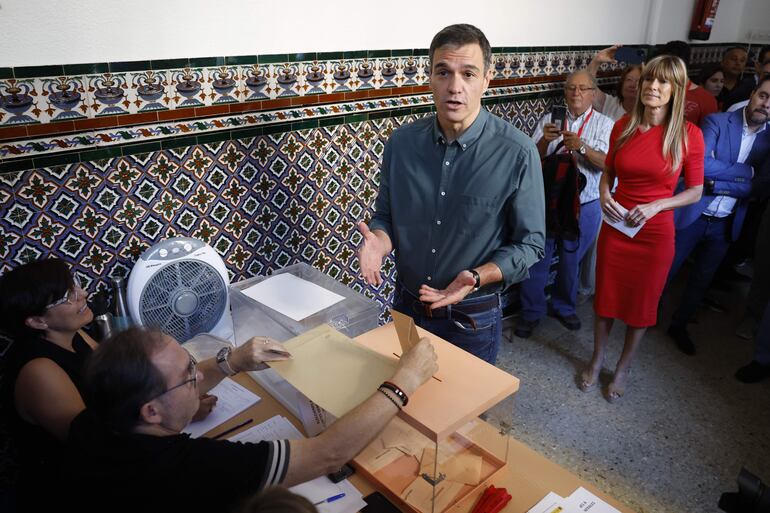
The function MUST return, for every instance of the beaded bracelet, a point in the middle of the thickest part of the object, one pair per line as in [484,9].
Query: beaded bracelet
[380,390]
[399,393]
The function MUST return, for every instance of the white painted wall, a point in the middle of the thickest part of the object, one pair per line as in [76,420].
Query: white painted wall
[756,22]
[37,32]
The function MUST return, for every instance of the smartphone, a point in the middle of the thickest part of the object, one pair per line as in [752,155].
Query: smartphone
[558,114]
[377,503]
[630,55]
[343,473]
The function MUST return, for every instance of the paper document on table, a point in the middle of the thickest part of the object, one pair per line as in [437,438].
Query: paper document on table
[332,370]
[314,418]
[274,428]
[621,225]
[321,488]
[583,501]
[232,399]
[551,503]
[292,296]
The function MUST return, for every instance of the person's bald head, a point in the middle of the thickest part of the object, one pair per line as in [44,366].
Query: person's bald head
[579,91]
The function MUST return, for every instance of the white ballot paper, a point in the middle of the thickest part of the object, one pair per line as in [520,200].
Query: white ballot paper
[583,501]
[317,490]
[292,296]
[274,428]
[621,225]
[232,399]
[551,503]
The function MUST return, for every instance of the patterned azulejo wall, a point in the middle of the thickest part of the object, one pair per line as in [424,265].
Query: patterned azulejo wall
[95,169]
[263,202]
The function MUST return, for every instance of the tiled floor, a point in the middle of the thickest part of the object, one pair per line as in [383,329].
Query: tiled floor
[679,436]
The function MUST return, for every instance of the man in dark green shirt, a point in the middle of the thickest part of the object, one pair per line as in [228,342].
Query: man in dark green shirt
[460,201]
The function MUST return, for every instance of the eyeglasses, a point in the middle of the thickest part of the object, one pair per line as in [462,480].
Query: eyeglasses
[71,296]
[192,372]
[581,89]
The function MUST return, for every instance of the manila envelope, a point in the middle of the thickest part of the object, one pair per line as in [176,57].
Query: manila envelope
[406,330]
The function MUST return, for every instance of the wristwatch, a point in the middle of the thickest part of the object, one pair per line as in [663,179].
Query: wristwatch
[476,277]
[223,362]
[582,149]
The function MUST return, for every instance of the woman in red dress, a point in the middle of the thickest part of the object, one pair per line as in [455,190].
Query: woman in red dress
[649,149]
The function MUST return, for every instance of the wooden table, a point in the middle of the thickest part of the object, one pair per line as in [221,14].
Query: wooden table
[528,476]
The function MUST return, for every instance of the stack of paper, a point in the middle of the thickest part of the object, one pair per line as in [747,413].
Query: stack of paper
[292,296]
[581,501]
[317,490]
[232,399]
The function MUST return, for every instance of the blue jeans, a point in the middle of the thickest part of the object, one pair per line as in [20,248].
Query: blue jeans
[482,341]
[710,239]
[565,285]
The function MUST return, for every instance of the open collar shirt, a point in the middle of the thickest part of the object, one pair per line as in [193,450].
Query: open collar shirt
[596,134]
[452,206]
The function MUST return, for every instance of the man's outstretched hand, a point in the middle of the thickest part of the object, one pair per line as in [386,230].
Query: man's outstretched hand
[455,292]
[370,255]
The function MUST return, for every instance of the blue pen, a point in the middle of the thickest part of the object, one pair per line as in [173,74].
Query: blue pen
[330,499]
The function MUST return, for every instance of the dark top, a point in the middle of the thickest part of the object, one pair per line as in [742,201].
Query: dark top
[138,472]
[39,451]
[451,207]
[740,92]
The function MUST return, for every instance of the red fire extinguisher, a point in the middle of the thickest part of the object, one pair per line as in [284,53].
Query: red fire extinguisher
[703,19]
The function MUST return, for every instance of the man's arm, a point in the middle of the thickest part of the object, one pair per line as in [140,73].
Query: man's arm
[525,221]
[377,238]
[713,168]
[246,357]
[604,56]
[351,433]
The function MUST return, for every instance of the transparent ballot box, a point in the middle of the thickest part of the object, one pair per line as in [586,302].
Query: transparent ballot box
[437,455]
[352,315]
[424,475]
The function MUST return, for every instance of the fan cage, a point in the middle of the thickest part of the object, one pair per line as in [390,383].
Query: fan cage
[156,306]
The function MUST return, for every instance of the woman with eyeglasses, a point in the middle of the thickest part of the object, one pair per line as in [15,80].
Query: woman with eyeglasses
[42,308]
[622,102]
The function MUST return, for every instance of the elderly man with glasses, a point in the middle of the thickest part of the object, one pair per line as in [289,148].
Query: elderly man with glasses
[584,135]
[142,389]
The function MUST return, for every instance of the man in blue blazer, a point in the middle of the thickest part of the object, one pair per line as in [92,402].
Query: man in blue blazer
[737,145]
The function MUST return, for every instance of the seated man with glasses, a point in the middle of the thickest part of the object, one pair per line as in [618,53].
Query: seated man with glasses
[142,389]
[585,136]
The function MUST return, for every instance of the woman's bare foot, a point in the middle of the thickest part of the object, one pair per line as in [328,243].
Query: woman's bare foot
[617,388]
[589,377]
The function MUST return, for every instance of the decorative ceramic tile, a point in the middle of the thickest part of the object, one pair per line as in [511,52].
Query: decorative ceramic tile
[110,94]
[63,98]
[20,102]
[150,90]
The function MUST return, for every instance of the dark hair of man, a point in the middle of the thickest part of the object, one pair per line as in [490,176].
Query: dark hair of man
[742,48]
[120,377]
[678,48]
[708,71]
[26,290]
[763,81]
[277,500]
[763,56]
[460,35]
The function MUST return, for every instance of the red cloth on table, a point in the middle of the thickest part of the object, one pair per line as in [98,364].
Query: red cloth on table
[631,273]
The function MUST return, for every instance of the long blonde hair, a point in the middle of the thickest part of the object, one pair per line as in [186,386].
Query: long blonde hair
[671,69]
